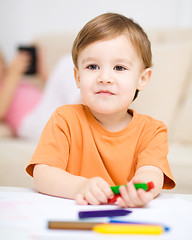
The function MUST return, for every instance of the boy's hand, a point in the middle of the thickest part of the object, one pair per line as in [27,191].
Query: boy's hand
[94,191]
[130,197]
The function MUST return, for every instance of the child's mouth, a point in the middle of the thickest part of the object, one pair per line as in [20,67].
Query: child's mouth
[105,93]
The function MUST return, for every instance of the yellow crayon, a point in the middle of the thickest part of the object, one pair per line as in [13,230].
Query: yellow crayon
[128,228]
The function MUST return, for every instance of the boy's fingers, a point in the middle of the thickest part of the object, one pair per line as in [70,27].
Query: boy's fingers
[121,202]
[79,198]
[91,198]
[145,197]
[99,194]
[124,195]
[133,194]
[130,196]
[105,188]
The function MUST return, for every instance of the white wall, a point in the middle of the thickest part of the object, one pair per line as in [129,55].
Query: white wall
[22,20]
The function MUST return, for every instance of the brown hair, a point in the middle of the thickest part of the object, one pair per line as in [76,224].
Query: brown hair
[110,25]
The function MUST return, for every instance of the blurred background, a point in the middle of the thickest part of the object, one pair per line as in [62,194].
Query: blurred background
[23,20]
[53,24]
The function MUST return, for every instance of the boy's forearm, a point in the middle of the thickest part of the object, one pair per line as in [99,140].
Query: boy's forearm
[56,182]
[151,173]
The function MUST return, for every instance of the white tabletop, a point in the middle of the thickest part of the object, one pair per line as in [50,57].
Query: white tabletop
[24,214]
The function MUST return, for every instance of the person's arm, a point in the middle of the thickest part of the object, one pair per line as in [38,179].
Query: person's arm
[11,81]
[57,182]
[151,173]
[42,69]
[130,197]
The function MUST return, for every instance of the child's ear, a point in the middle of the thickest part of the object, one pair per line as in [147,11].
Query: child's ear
[144,79]
[77,77]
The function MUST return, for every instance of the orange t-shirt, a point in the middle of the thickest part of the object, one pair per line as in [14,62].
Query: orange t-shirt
[74,141]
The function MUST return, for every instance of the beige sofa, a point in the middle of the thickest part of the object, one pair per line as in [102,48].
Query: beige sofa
[168,97]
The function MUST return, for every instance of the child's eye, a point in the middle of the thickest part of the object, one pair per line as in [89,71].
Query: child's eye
[119,68]
[93,67]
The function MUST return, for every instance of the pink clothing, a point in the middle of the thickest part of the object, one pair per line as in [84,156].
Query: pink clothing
[25,99]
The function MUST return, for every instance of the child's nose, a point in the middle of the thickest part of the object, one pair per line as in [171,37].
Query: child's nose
[105,76]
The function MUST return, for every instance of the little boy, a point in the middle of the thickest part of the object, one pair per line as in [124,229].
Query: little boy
[85,149]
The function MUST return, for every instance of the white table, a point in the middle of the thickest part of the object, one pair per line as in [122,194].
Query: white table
[24,215]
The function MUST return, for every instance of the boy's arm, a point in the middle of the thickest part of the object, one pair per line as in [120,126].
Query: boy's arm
[130,197]
[54,181]
[151,173]
[57,182]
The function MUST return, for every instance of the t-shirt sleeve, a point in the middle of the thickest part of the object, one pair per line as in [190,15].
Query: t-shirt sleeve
[53,146]
[154,150]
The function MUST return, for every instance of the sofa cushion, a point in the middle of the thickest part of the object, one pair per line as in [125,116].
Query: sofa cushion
[183,122]
[172,61]
[54,46]
[5,131]
[14,156]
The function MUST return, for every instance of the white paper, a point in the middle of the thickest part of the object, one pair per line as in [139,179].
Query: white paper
[29,212]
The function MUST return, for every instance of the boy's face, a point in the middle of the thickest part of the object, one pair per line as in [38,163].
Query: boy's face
[108,74]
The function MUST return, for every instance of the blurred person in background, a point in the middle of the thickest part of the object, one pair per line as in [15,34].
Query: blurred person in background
[25,106]
[60,90]
[19,94]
